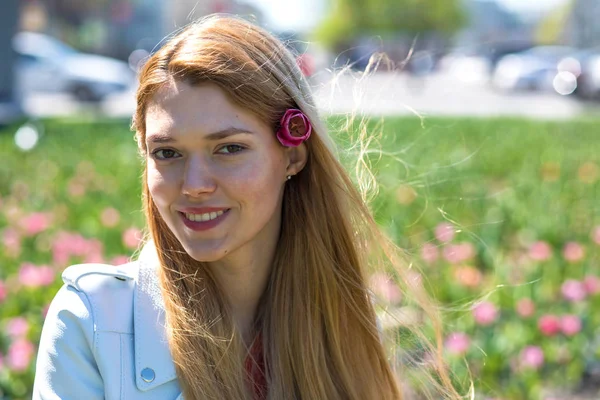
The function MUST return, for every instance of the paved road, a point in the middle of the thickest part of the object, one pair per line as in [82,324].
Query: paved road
[390,94]
[379,94]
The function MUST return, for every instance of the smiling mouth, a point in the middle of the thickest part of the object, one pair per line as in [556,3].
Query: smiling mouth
[204,217]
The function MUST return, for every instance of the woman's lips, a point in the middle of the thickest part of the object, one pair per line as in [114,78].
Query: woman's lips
[204,225]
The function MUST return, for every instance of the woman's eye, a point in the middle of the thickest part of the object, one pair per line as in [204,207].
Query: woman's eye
[164,154]
[231,148]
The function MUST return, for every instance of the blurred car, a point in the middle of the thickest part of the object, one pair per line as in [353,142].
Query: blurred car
[45,64]
[533,69]
[588,79]
[467,67]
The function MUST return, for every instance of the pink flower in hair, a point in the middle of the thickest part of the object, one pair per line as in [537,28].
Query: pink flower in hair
[294,128]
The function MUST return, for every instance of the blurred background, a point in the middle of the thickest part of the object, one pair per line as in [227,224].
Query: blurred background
[493,57]
[487,112]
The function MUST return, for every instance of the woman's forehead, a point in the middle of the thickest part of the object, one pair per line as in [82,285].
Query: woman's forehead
[180,107]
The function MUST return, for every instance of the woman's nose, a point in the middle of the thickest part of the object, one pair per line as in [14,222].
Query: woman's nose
[198,178]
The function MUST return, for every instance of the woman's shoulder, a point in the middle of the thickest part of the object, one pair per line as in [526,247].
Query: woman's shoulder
[107,291]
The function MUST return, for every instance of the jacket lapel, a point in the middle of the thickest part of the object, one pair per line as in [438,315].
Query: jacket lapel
[151,346]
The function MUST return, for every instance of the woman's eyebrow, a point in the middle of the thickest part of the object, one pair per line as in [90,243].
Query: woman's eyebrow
[222,134]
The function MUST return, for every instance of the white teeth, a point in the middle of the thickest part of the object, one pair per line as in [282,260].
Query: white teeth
[203,217]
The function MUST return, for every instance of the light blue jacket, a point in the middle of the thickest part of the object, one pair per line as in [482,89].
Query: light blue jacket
[104,336]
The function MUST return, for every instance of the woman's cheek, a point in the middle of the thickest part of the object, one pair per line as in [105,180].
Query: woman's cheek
[161,186]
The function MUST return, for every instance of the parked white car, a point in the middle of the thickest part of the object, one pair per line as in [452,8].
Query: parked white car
[45,64]
[534,69]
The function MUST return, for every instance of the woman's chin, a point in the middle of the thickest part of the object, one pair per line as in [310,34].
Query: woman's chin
[205,255]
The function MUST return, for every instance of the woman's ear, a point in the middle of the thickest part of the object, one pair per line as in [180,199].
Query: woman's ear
[297,157]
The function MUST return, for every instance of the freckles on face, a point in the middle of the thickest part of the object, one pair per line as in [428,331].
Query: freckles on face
[205,151]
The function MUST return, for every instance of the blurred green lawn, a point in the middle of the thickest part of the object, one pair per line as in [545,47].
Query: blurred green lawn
[503,184]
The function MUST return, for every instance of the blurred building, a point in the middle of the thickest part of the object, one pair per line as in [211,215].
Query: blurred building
[8,25]
[583,29]
[492,30]
[117,27]
[490,22]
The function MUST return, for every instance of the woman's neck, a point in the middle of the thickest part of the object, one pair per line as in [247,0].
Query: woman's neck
[243,278]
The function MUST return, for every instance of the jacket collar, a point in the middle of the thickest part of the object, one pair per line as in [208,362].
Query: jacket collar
[151,346]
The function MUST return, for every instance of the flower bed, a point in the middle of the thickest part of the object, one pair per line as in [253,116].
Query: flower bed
[500,215]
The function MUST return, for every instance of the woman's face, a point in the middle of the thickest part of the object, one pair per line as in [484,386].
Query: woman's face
[215,171]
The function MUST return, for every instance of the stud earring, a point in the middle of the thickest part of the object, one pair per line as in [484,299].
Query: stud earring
[289,177]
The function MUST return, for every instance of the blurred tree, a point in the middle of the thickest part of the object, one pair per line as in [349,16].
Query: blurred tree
[349,19]
[9,16]
[551,29]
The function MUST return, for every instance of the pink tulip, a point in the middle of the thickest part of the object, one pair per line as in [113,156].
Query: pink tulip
[385,288]
[132,238]
[570,325]
[11,239]
[591,284]
[468,276]
[19,354]
[32,276]
[540,251]
[110,217]
[485,313]
[444,232]
[1,362]
[549,325]
[17,327]
[35,223]
[95,251]
[573,290]
[76,188]
[3,291]
[525,308]
[457,253]
[595,235]
[532,357]
[429,253]
[573,252]
[457,343]
[68,244]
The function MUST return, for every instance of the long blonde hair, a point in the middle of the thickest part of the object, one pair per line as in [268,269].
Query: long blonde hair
[316,317]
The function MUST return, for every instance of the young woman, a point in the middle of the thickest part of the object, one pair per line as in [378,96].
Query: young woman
[253,285]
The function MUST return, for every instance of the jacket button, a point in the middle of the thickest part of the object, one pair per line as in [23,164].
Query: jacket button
[147,374]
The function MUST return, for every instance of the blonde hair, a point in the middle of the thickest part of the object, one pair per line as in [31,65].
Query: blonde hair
[317,319]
